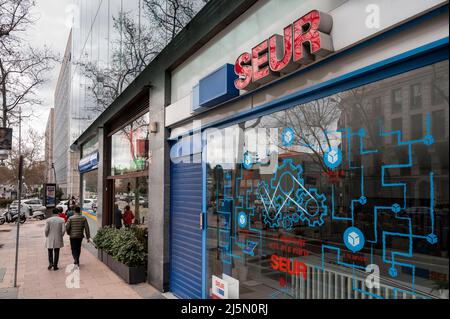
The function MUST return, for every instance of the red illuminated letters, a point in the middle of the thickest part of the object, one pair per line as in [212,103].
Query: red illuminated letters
[290,266]
[301,42]
[281,51]
[260,63]
[311,37]
[244,70]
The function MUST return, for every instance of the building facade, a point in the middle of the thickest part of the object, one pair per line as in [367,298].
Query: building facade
[65,162]
[49,136]
[102,68]
[288,151]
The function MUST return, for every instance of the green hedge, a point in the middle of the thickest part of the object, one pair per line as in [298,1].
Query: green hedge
[122,244]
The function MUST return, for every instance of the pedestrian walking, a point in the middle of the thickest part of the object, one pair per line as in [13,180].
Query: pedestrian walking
[76,227]
[72,202]
[128,216]
[69,212]
[54,232]
[117,216]
[62,214]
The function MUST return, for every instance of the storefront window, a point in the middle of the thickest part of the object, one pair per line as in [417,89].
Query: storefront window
[129,148]
[133,192]
[324,200]
[89,198]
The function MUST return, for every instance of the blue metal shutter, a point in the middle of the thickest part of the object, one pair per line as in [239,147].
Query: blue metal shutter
[186,235]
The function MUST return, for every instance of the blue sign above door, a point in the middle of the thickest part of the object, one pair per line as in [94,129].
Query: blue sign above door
[215,88]
[88,163]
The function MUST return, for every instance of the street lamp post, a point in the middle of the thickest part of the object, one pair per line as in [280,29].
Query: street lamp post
[54,172]
[19,207]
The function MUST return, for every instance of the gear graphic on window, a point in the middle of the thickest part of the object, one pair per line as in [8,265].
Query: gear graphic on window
[281,194]
[271,206]
[287,178]
[288,223]
[314,207]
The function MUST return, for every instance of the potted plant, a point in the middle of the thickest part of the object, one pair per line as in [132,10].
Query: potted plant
[123,252]
[99,241]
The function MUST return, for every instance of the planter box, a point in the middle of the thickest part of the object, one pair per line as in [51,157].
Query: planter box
[100,254]
[131,275]
[105,257]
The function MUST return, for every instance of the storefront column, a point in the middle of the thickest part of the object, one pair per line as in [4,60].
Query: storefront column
[159,195]
[102,173]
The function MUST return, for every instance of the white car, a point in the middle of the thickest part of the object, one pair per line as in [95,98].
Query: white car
[35,204]
[63,204]
[90,203]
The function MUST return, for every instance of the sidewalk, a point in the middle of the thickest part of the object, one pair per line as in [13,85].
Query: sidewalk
[97,281]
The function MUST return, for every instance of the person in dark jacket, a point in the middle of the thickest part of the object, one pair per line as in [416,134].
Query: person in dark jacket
[117,216]
[76,227]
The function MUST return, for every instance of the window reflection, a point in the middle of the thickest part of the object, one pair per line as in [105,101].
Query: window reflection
[278,223]
[129,147]
[132,192]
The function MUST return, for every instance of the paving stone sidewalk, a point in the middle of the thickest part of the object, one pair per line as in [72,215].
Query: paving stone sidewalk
[97,281]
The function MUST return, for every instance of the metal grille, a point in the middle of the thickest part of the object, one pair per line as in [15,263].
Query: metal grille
[186,236]
[330,284]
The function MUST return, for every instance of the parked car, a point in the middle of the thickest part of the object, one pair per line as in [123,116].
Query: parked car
[142,201]
[90,203]
[35,204]
[63,204]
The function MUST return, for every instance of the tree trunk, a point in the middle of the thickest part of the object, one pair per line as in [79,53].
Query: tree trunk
[4,102]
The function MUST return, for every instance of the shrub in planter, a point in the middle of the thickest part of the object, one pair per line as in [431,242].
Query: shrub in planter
[128,249]
[99,238]
[125,245]
[142,235]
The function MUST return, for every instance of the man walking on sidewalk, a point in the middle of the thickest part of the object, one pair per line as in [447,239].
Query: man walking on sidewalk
[54,232]
[76,227]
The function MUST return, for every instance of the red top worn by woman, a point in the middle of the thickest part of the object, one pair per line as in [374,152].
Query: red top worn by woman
[128,217]
[63,215]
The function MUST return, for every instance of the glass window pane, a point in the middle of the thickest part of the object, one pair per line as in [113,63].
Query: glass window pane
[306,202]
[129,147]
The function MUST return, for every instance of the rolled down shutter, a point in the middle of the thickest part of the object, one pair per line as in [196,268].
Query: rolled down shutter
[186,235]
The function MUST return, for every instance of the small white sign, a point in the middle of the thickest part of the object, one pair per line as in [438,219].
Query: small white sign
[225,288]
[219,288]
[233,286]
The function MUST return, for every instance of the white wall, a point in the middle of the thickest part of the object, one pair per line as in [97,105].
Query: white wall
[348,30]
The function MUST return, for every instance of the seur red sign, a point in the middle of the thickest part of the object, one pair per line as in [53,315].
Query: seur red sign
[302,41]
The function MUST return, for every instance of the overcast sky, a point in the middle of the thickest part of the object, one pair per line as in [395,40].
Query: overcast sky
[52,29]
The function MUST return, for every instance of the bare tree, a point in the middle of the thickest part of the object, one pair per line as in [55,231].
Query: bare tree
[130,55]
[23,69]
[312,124]
[14,17]
[34,167]
[172,15]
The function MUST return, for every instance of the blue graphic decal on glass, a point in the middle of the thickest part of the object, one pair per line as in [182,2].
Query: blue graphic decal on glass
[288,137]
[354,239]
[333,158]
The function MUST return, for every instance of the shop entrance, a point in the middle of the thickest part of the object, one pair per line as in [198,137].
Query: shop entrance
[186,274]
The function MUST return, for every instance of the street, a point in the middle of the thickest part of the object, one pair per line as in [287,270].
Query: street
[96,280]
